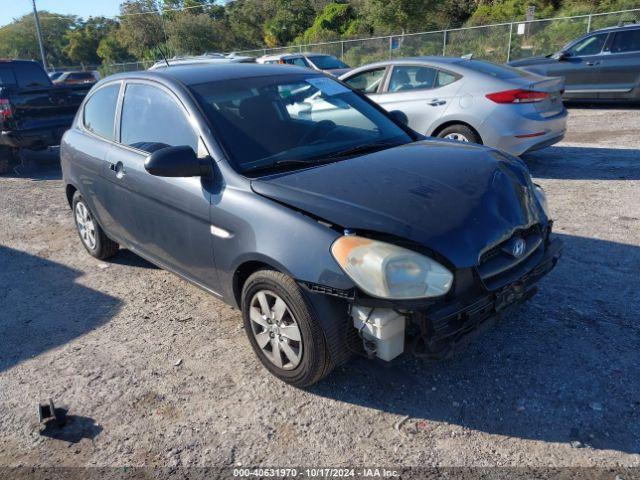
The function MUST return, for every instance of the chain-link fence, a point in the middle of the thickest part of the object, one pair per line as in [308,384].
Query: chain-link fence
[499,42]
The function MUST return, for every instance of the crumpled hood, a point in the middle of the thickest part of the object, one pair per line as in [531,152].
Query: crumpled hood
[453,198]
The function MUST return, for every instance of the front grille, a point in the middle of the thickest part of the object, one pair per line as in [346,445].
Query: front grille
[500,260]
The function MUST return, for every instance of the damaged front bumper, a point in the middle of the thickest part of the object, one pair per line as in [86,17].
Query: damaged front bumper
[436,328]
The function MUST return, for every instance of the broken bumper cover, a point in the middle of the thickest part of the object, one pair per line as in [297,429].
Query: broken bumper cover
[446,329]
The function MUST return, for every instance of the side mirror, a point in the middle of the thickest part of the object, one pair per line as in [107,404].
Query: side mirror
[399,117]
[176,162]
[562,55]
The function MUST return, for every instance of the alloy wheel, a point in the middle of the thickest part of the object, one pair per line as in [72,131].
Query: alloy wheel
[457,137]
[86,225]
[275,330]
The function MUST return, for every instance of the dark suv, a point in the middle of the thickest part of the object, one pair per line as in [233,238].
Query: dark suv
[602,65]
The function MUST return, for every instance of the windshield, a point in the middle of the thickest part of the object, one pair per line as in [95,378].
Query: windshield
[326,62]
[293,121]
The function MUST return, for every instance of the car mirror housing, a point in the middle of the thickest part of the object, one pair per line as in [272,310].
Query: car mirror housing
[177,162]
[562,55]
[399,117]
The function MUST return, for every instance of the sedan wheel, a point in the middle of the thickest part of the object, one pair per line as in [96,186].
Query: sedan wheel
[275,329]
[93,238]
[86,226]
[457,137]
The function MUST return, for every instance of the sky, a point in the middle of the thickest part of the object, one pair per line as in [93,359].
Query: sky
[10,9]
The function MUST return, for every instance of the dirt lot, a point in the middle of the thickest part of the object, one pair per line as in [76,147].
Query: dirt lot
[157,373]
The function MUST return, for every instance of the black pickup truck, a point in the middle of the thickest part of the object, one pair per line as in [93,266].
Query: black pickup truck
[34,113]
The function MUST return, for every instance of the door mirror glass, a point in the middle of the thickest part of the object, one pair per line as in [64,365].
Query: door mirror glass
[176,162]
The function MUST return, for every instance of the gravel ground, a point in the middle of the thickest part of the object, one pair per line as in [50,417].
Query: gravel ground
[154,372]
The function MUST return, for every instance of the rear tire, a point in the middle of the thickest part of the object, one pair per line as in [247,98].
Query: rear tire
[460,133]
[6,160]
[91,235]
[292,344]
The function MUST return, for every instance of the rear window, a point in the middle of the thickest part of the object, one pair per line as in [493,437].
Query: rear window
[100,111]
[31,75]
[498,71]
[6,76]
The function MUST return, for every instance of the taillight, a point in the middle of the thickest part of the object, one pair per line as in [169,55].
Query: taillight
[5,110]
[517,96]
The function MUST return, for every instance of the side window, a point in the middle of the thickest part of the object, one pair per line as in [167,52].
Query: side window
[444,78]
[152,120]
[412,78]
[100,111]
[299,61]
[31,75]
[626,41]
[589,46]
[366,82]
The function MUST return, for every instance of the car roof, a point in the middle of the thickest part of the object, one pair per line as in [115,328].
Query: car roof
[629,26]
[196,74]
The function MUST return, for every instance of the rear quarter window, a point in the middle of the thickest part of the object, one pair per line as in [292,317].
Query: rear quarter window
[100,111]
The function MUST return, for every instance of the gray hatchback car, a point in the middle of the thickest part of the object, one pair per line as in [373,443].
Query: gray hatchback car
[349,234]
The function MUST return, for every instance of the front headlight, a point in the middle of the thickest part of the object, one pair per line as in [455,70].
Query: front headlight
[387,271]
[542,199]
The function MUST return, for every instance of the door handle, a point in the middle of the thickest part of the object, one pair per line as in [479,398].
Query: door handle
[591,64]
[435,102]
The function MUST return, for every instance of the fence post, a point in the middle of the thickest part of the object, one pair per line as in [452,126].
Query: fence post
[444,44]
[509,46]
[390,47]
[589,24]
[342,51]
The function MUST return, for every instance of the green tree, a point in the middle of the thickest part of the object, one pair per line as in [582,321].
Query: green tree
[141,27]
[197,34]
[291,19]
[18,39]
[337,20]
[83,41]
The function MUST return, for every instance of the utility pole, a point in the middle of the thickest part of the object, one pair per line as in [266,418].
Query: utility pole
[37,20]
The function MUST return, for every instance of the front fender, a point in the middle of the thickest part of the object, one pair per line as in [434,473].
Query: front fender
[264,231]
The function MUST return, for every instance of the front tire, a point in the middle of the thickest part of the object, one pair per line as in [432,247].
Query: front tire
[460,133]
[92,236]
[283,329]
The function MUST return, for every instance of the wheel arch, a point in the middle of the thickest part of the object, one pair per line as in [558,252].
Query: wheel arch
[436,131]
[70,191]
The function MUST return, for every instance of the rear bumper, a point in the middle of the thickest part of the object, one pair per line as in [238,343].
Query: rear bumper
[510,133]
[33,138]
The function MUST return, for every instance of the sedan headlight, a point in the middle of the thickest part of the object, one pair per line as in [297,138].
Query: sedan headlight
[387,271]
[542,199]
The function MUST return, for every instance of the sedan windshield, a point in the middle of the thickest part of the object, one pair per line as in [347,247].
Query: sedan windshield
[326,62]
[293,121]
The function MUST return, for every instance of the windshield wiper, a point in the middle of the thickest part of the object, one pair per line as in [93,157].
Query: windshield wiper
[280,163]
[364,148]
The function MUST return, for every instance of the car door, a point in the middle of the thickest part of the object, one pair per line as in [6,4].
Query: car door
[578,66]
[164,219]
[91,142]
[422,93]
[619,69]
